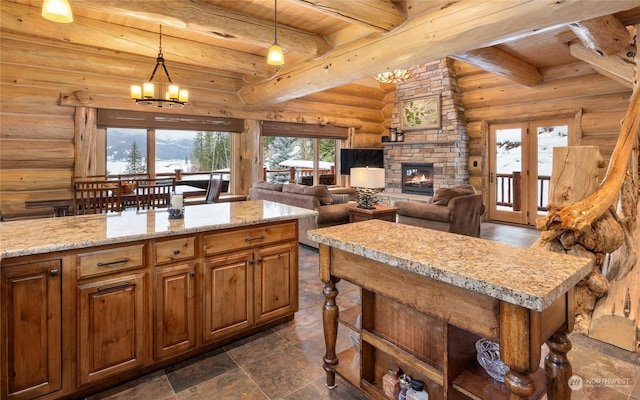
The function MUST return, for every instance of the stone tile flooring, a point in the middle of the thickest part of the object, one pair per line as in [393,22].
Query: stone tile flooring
[286,362]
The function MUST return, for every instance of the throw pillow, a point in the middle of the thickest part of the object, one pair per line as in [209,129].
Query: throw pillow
[340,198]
[443,195]
[276,187]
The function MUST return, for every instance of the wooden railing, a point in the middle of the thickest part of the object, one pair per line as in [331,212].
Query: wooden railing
[294,173]
[508,191]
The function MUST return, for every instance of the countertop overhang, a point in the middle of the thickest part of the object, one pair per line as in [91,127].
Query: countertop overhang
[37,236]
[532,278]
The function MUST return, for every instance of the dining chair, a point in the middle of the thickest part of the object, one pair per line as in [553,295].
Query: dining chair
[154,195]
[96,196]
[214,188]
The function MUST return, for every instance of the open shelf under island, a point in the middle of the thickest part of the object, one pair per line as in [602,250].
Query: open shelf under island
[427,297]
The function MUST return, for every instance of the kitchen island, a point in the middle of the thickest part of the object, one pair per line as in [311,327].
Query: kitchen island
[428,296]
[90,301]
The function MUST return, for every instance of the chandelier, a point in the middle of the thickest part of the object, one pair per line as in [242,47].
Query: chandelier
[395,76]
[145,94]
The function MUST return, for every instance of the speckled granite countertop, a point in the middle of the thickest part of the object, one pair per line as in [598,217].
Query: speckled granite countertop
[528,277]
[36,236]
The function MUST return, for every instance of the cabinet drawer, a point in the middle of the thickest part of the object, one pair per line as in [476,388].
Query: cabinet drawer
[174,250]
[110,260]
[248,237]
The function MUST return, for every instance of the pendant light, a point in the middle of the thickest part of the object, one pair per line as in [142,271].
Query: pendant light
[57,11]
[275,55]
[395,76]
[146,94]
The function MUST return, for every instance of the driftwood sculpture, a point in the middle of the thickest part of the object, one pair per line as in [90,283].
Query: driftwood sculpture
[602,225]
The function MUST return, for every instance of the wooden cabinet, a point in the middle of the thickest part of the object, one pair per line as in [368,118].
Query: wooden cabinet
[31,325]
[111,312]
[228,291]
[276,281]
[174,282]
[174,310]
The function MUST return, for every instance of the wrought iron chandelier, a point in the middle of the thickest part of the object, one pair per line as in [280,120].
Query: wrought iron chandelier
[145,94]
[395,76]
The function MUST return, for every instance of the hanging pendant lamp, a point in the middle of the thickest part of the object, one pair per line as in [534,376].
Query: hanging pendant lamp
[57,11]
[275,55]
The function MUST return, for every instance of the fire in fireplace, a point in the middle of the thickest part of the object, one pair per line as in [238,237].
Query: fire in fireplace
[417,178]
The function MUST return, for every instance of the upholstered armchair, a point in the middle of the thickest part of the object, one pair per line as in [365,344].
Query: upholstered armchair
[457,210]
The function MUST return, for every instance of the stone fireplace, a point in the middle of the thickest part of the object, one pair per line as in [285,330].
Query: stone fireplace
[445,147]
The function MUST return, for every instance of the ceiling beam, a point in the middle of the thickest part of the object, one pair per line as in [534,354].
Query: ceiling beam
[612,67]
[499,62]
[213,21]
[458,28]
[380,15]
[605,35]
[27,21]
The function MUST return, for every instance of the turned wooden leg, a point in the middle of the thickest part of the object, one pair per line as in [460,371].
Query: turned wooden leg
[517,350]
[558,367]
[330,315]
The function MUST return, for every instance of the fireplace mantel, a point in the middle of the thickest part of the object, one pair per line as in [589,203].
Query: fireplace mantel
[438,142]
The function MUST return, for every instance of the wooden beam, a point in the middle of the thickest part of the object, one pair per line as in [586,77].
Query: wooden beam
[85,99]
[605,35]
[499,62]
[27,21]
[612,67]
[380,15]
[214,21]
[462,26]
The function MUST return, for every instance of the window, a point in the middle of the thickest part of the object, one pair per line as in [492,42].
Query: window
[305,158]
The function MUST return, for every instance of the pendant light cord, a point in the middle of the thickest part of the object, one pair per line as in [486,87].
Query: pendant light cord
[275,21]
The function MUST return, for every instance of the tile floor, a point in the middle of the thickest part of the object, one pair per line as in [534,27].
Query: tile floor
[286,362]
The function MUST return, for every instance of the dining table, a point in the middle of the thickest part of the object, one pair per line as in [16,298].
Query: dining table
[62,200]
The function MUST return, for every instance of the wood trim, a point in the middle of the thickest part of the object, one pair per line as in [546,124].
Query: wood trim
[150,120]
[287,129]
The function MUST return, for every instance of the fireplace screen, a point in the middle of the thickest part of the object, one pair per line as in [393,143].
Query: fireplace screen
[417,178]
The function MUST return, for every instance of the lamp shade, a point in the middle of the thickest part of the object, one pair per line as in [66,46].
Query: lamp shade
[371,178]
[57,11]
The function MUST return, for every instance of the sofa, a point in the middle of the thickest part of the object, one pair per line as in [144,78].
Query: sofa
[456,209]
[332,208]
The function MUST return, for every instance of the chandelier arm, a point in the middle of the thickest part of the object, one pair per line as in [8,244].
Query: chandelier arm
[165,71]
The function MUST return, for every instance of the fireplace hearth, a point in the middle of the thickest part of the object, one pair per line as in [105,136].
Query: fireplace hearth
[417,178]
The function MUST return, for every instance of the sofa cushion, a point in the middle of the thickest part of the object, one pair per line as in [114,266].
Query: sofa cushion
[269,186]
[340,198]
[424,211]
[443,195]
[320,192]
[333,214]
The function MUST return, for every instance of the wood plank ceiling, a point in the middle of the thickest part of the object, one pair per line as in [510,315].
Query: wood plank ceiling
[329,43]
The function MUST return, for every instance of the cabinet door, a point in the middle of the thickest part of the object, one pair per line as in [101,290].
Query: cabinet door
[276,281]
[174,310]
[31,326]
[228,292]
[111,319]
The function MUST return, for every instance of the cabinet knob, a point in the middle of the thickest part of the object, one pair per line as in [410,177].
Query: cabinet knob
[176,252]
[251,262]
[192,274]
[260,259]
[53,272]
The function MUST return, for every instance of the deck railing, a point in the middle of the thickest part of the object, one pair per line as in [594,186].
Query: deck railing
[293,174]
[508,192]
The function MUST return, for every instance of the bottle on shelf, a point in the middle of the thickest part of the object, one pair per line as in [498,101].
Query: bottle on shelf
[416,391]
[405,384]
[391,382]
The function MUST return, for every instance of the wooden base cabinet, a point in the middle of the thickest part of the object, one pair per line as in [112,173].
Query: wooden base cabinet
[111,319]
[276,282]
[31,325]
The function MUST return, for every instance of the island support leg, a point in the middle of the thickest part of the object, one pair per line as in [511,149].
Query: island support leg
[519,350]
[558,367]
[330,315]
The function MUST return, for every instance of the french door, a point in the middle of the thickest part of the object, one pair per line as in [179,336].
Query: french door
[520,160]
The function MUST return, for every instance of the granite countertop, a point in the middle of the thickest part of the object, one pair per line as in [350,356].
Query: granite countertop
[532,278]
[36,236]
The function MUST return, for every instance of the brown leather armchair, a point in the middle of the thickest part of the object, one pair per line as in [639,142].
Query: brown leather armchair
[456,210]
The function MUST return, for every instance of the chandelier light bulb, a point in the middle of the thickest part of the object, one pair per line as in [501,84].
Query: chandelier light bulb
[57,11]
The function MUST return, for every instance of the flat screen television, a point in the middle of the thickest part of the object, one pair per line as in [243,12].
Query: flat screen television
[356,158]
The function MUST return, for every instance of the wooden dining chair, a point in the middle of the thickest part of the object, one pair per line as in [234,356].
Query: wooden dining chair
[155,194]
[96,196]
[214,188]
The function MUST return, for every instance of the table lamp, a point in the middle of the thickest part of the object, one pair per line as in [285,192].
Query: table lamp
[367,182]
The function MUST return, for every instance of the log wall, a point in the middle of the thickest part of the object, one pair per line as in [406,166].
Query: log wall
[597,103]
[37,149]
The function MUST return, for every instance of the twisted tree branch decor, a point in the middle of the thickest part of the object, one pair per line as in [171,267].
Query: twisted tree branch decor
[581,215]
